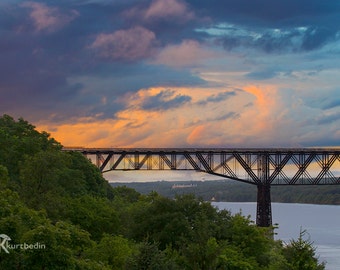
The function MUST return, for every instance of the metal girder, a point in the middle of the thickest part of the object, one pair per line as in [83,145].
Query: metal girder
[326,163]
[279,165]
[206,163]
[247,167]
[262,167]
[115,165]
[105,162]
[192,161]
[302,163]
[287,166]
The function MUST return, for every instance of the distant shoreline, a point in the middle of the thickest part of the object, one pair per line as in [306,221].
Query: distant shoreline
[232,191]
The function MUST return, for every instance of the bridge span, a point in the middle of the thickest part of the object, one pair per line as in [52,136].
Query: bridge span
[263,167]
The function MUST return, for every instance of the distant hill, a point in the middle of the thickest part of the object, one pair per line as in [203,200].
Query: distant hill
[232,191]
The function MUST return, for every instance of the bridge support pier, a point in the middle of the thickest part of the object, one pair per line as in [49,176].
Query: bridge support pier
[264,209]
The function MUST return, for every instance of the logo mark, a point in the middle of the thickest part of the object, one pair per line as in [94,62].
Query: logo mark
[4,242]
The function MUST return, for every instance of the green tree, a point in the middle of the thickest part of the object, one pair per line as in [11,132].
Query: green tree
[61,246]
[113,251]
[93,214]
[18,139]
[150,257]
[4,177]
[300,254]
[252,240]
[15,220]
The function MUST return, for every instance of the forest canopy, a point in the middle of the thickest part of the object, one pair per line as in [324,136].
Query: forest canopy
[59,202]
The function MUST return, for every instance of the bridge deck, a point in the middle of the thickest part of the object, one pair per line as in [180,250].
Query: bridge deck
[214,150]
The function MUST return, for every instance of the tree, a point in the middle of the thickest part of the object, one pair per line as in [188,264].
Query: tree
[93,214]
[19,138]
[113,251]
[4,177]
[300,254]
[60,246]
[150,257]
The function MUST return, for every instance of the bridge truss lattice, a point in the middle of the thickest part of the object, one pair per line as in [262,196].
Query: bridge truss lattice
[261,167]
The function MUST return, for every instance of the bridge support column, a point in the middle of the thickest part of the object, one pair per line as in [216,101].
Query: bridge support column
[264,209]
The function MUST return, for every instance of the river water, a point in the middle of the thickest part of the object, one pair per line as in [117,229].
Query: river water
[322,223]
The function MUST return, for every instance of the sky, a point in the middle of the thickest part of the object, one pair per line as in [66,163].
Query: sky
[174,73]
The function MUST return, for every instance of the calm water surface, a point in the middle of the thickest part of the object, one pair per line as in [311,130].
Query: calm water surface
[322,223]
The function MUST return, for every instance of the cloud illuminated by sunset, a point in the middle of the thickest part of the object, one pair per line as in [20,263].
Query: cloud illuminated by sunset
[173,73]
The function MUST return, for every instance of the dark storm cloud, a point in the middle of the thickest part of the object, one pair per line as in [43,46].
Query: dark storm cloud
[265,12]
[272,26]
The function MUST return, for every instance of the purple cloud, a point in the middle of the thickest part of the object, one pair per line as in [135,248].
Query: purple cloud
[165,9]
[47,18]
[131,44]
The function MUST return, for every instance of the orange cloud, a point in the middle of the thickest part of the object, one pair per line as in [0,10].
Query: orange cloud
[196,134]
[203,120]
[263,112]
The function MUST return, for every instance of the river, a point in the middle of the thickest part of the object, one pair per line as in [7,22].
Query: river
[322,223]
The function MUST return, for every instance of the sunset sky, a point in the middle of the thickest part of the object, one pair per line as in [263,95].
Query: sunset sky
[174,73]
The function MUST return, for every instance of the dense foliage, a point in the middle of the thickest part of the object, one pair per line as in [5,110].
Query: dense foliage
[60,200]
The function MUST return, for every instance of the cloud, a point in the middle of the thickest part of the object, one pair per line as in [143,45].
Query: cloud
[166,9]
[262,74]
[155,99]
[325,99]
[229,115]
[47,18]
[189,53]
[220,97]
[267,12]
[164,100]
[273,40]
[329,118]
[331,103]
[156,117]
[160,11]
[173,72]
[196,134]
[131,44]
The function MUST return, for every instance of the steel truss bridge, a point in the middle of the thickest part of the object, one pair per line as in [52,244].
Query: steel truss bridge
[261,167]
